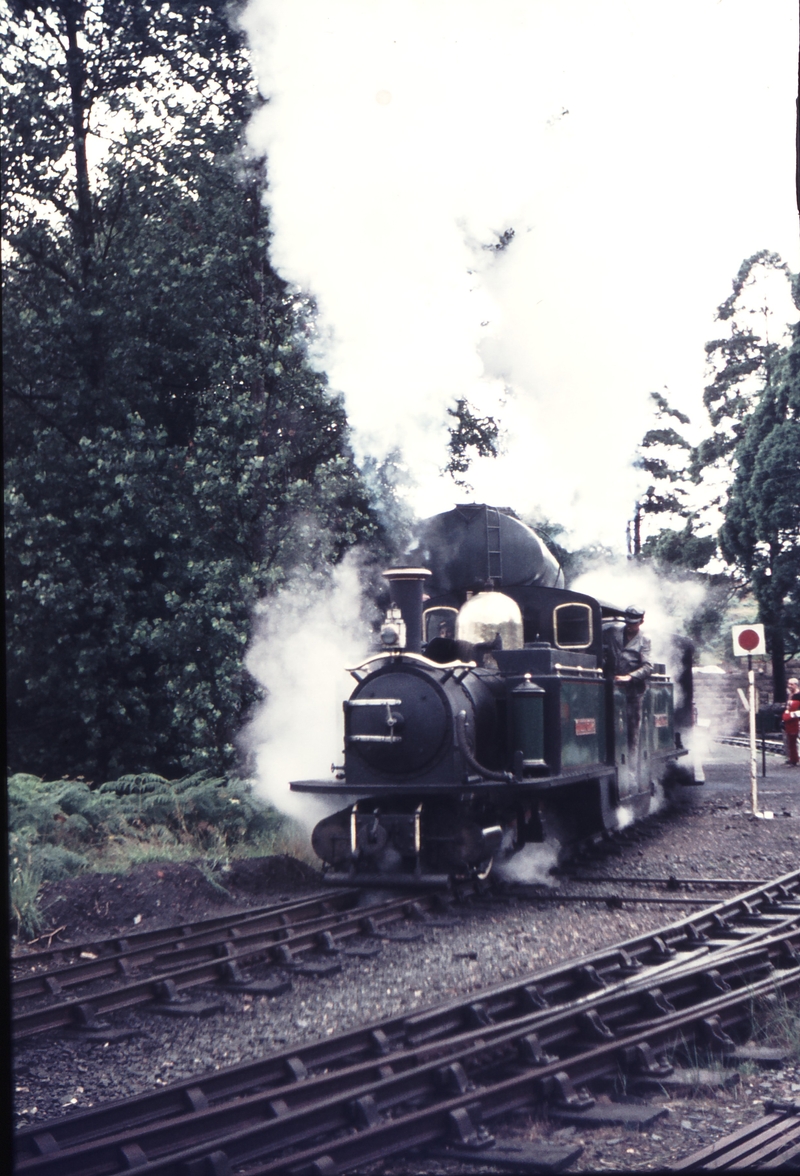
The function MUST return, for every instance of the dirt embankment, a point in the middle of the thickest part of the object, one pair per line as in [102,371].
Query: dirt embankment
[160,893]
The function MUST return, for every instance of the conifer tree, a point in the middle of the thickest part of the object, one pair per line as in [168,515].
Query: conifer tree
[753,405]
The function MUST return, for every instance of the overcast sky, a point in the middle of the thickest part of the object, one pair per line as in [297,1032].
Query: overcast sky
[639,150]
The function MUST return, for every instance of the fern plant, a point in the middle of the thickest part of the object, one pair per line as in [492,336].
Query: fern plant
[60,827]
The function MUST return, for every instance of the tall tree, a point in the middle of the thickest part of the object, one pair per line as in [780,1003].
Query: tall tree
[170,453]
[470,436]
[761,533]
[739,363]
[690,481]
[748,465]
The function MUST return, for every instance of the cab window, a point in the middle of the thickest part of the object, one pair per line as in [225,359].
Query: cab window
[572,626]
[439,622]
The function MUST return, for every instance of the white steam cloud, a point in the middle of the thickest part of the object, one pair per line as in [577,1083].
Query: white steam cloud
[668,605]
[532,864]
[657,800]
[625,816]
[404,138]
[304,638]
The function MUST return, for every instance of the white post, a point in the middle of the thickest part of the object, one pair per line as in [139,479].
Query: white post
[751,678]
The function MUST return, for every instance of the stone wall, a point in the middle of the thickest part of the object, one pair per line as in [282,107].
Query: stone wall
[716,698]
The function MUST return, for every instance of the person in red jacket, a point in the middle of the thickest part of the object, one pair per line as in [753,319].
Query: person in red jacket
[791,721]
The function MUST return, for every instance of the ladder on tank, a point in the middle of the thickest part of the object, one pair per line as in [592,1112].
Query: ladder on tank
[494,557]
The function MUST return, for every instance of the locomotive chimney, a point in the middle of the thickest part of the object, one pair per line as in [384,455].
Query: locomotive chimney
[406,589]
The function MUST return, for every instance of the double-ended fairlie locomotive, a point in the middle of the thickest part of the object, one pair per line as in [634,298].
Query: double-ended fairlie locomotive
[487,719]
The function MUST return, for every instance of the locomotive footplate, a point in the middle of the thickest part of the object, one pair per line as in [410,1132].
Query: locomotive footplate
[470,786]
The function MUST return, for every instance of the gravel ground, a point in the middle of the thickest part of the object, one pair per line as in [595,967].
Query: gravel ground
[711,835]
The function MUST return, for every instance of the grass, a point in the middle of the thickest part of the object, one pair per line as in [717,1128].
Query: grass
[64,827]
[290,839]
[25,883]
[776,1022]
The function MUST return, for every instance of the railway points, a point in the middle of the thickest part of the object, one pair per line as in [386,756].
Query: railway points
[299,938]
[414,1081]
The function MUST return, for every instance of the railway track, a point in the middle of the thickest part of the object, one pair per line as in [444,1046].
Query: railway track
[407,1081]
[301,937]
[773,746]
[70,986]
[671,883]
[162,938]
[89,960]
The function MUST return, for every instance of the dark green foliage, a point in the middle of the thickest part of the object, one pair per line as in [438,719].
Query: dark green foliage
[739,361]
[383,479]
[753,404]
[171,457]
[470,433]
[666,409]
[740,364]
[58,828]
[665,437]
[709,624]
[69,815]
[672,501]
[54,862]
[680,547]
[761,534]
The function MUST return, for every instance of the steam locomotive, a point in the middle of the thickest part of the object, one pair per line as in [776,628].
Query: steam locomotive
[487,720]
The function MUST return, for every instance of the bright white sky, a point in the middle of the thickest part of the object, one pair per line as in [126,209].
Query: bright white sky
[640,151]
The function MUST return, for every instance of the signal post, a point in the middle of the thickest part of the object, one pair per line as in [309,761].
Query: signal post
[749,642]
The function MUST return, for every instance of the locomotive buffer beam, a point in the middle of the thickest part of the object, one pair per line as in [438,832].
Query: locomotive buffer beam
[393,881]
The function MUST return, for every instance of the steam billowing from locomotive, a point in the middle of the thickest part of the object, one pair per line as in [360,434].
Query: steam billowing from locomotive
[486,719]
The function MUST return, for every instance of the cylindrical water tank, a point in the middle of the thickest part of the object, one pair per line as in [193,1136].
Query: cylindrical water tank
[475,543]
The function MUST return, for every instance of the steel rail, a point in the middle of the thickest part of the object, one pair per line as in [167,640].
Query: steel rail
[714,972]
[210,958]
[693,900]
[685,935]
[155,936]
[125,956]
[671,882]
[576,983]
[771,745]
[307,1112]
[219,961]
[433,1123]
[552,1026]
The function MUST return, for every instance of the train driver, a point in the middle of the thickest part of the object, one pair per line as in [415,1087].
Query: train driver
[628,652]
